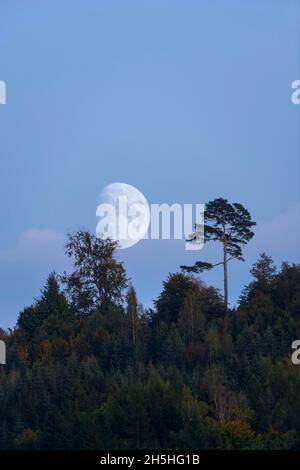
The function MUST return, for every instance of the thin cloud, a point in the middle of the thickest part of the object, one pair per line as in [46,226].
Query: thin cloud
[280,236]
[34,245]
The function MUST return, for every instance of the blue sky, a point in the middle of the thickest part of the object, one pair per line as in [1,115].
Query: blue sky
[187,101]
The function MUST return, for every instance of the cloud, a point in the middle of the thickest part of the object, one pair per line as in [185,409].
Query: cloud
[24,268]
[35,245]
[280,236]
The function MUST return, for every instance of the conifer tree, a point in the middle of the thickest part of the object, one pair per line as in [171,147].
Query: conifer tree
[132,312]
[229,224]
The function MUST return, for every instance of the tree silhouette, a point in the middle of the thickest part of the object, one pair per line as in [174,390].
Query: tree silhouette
[197,379]
[132,312]
[97,278]
[264,269]
[229,224]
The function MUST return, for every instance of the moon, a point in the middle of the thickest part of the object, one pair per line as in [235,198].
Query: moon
[124,214]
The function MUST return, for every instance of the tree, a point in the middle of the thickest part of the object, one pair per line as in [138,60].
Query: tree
[98,278]
[132,308]
[263,270]
[191,320]
[229,224]
[286,288]
[171,300]
[51,302]
[197,378]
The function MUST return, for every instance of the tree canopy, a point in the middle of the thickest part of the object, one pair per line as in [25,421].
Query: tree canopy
[186,374]
[229,224]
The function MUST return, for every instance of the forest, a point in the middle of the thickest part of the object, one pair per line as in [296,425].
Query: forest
[89,368]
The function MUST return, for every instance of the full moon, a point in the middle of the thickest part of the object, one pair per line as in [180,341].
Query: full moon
[124,214]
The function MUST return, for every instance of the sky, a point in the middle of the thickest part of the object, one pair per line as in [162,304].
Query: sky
[185,100]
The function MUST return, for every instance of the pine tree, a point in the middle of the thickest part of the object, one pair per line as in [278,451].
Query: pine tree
[229,224]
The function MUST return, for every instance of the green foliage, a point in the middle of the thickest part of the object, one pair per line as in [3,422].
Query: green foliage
[98,279]
[186,376]
[229,224]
